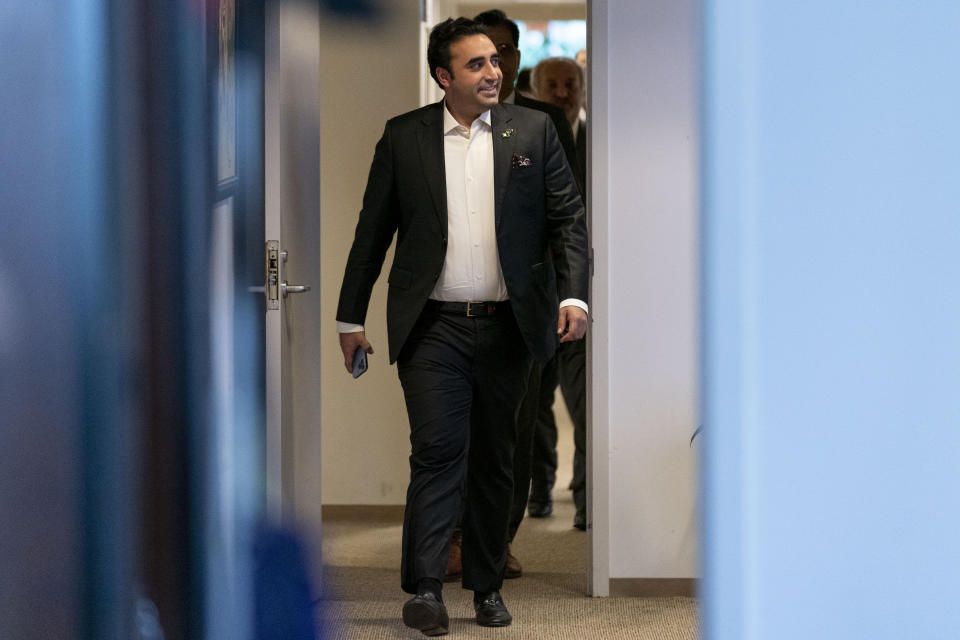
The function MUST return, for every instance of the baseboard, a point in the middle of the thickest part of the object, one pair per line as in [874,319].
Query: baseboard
[369,512]
[652,587]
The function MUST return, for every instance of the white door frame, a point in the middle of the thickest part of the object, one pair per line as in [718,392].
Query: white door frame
[598,401]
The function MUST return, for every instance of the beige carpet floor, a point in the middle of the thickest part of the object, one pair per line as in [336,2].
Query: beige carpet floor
[362,598]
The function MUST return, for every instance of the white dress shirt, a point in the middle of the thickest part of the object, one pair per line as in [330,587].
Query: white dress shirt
[471,268]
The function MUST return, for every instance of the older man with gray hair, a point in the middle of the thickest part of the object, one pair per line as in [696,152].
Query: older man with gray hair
[559,81]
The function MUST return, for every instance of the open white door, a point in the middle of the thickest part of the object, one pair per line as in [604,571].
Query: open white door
[292,248]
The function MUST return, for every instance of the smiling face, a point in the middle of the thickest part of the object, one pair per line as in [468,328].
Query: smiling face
[472,84]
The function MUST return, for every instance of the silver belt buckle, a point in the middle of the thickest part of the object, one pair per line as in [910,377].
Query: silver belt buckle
[470,315]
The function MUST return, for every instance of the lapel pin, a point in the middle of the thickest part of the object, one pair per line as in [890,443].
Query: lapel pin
[507,133]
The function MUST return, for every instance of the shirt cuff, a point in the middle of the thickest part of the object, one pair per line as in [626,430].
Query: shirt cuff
[348,327]
[573,302]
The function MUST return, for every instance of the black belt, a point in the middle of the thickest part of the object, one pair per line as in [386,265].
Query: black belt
[470,309]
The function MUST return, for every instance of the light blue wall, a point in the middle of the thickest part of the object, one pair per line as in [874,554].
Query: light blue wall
[831,319]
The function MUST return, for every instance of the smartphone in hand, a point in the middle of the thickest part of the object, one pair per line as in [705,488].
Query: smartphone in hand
[359,362]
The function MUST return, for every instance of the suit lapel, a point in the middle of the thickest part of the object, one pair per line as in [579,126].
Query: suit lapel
[503,145]
[430,143]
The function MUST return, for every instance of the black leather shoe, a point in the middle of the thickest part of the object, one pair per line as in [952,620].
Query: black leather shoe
[491,612]
[580,520]
[425,612]
[540,509]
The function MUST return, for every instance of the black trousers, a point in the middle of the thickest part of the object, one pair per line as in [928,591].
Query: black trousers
[463,379]
[526,426]
[543,464]
[535,474]
[572,368]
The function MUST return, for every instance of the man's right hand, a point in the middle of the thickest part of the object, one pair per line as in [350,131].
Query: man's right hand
[349,343]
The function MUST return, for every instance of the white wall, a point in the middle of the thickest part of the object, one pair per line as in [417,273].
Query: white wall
[370,73]
[644,208]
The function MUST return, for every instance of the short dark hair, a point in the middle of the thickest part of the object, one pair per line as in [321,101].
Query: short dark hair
[497,18]
[445,34]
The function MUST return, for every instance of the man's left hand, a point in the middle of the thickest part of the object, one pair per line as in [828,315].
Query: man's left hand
[572,324]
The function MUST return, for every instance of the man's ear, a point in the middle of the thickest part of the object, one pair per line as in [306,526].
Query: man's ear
[443,77]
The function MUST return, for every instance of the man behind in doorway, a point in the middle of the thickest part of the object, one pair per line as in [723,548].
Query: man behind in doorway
[506,37]
[560,82]
[490,266]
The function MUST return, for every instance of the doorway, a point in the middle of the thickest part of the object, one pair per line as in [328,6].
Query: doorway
[365,452]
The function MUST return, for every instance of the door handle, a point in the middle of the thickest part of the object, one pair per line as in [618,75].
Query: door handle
[293,288]
[274,288]
[286,288]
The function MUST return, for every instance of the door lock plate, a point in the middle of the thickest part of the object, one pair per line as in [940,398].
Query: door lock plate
[272,285]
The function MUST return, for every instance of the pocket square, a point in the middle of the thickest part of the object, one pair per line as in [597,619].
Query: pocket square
[520,160]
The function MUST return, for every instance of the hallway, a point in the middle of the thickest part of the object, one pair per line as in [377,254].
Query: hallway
[362,598]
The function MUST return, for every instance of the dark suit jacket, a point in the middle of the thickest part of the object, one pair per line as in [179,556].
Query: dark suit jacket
[537,206]
[581,166]
[564,131]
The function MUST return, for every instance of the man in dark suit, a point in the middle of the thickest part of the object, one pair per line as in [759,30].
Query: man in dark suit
[560,81]
[489,267]
[506,36]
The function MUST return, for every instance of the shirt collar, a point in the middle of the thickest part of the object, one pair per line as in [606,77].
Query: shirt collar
[450,123]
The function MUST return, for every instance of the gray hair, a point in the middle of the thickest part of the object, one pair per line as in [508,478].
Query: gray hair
[570,61]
